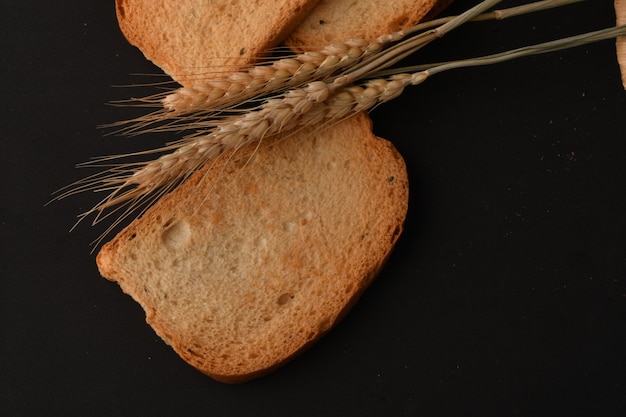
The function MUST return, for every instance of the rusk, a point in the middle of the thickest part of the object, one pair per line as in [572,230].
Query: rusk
[257,256]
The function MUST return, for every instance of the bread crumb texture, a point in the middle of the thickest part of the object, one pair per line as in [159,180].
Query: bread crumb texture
[248,263]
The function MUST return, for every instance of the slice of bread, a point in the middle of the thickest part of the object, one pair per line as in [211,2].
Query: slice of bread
[339,20]
[190,39]
[249,262]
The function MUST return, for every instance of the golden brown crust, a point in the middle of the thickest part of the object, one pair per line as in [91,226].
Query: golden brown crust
[242,268]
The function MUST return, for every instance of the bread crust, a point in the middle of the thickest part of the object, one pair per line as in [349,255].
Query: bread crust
[190,39]
[246,265]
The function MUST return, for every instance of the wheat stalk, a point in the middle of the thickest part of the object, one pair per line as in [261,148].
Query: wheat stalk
[313,89]
[345,62]
[315,104]
[297,107]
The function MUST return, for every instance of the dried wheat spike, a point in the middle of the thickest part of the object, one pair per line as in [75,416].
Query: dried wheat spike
[307,106]
[219,93]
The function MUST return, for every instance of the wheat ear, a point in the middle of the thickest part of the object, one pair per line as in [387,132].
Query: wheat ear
[183,107]
[308,106]
[280,75]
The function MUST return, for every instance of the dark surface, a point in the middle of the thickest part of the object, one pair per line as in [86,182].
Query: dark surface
[505,296]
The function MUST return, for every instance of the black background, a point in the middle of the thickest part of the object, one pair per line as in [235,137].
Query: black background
[506,295]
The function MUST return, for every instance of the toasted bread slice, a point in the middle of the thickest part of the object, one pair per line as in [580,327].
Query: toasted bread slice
[249,262]
[189,39]
[339,20]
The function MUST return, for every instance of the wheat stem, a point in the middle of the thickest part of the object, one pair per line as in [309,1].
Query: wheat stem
[500,14]
[412,45]
[541,48]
